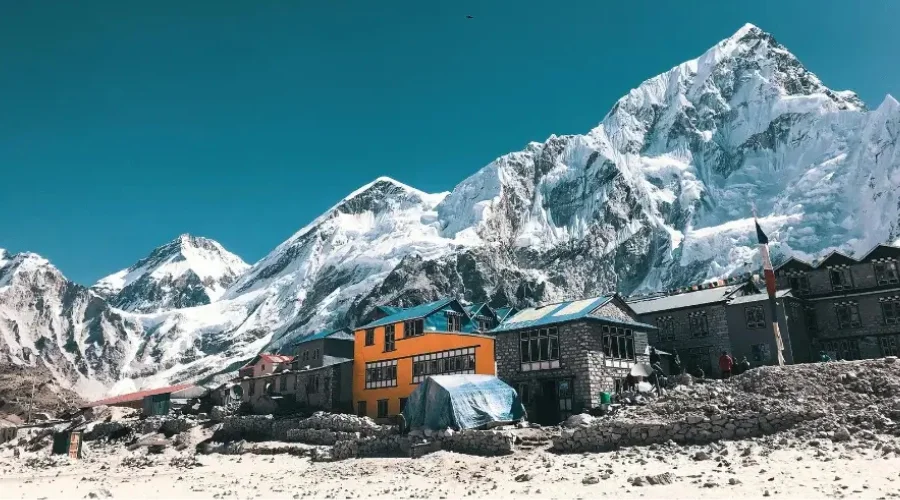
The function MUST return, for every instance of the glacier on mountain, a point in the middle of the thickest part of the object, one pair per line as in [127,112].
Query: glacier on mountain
[660,194]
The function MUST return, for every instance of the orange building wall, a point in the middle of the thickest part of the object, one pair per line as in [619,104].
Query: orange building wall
[405,350]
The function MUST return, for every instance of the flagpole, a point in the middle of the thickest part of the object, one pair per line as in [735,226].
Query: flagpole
[769,273]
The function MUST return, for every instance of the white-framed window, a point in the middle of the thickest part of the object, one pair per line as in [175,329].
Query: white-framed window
[456,361]
[891,311]
[618,342]
[886,272]
[841,279]
[666,326]
[698,324]
[381,374]
[847,314]
[454,322]
[756,317]
[389,339]
[799,283]
[539,349]
[414,327]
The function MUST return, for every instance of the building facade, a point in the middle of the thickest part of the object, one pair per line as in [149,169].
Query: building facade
[297,388]
[321,349]
[561,357]
[694,324]
[851,306]
[750,329]
[395,353]
[264,364]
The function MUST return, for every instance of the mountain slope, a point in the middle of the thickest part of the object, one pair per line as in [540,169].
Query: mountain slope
[658,195]
[186,272]
[81,340]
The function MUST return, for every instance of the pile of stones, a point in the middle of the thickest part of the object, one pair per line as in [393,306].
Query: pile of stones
[825,399]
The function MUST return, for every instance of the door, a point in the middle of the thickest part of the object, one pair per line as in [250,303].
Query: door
[547,405]
[564,399]
[361,409]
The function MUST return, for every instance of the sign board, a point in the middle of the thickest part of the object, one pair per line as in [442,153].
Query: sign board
[75,444]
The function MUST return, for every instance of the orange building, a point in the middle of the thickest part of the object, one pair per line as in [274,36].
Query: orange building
[392,355]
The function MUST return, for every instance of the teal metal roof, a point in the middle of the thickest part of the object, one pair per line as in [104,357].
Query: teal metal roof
[416,312]
[390,309]
[475,308]
[503,312]
[552,313]
[342,334]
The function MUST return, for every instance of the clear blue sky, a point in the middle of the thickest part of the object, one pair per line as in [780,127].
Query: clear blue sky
[124,124]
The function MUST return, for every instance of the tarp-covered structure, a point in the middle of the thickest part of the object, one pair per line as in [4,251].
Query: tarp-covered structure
[462,402]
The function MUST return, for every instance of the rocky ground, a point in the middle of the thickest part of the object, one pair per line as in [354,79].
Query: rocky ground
[812,431]
[16,384]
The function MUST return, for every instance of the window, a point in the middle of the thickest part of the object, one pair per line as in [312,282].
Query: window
[539,349]
[762,353]
[525,393]
[313,384]
[315,354]
[847,314]
[698,324]
[252,390]
[370,338]
[305,355]
[890,345]
[443,363]
[812,325]
[846,349]
[389,338]
[484,323]
[886,272]
[382,408]
[454,322]
[403,404]
[799,283]
[361,409]
[413,328]
[282,384]
[841,279]
[618,343]
[756,318]
[381,374]
[263,368]
[891,311]
[666,325]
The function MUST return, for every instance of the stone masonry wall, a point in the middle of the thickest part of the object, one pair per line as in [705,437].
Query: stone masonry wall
[694,429]
[684,339]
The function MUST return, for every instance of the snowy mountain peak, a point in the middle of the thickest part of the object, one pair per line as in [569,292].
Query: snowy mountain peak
[187,271]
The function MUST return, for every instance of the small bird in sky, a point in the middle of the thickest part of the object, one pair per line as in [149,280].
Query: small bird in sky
[470,17]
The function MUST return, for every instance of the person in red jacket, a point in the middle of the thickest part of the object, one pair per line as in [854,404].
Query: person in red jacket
[726,363]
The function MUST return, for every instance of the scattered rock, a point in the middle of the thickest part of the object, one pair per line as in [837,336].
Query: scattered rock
[521,478]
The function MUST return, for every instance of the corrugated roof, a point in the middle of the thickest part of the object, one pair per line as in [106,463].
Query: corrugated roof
[475,308]
[503,312]
[342,334]
[552,314]
[757,297]
[409,313]
[140,395]
[678,301]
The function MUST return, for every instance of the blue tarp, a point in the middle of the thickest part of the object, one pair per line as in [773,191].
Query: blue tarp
[462,402]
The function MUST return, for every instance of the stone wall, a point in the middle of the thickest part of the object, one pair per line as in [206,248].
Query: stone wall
[477,442]
[606,435]
[690,347]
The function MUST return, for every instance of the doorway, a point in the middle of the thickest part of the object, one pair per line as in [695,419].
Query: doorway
[555,401]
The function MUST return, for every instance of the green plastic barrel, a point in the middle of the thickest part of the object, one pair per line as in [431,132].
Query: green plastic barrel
[605,398]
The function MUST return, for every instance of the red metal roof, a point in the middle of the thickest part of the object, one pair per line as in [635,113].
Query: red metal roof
[276,358]
[140,395]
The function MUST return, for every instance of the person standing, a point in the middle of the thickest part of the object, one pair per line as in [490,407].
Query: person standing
[726,363]
[744,365]
[676,363]
[654,357]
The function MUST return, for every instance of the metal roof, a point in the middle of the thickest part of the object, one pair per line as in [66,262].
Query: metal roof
[503,312]
[678,301]
[552,314]
[757,297]
[475,308]
[409,313]
[342,334]
[140,395]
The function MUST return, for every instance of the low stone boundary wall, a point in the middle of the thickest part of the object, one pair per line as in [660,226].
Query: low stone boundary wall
[321,428]
[320,436]
[605,435]
[475,442]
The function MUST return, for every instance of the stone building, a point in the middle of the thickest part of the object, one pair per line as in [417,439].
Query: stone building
[851,306]
[561,357]
[750,329]
[693,323]
[321,349]
[327,387]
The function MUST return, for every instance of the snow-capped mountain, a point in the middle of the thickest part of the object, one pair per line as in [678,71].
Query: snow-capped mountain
[658,195]
[76,335]
[186,272]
